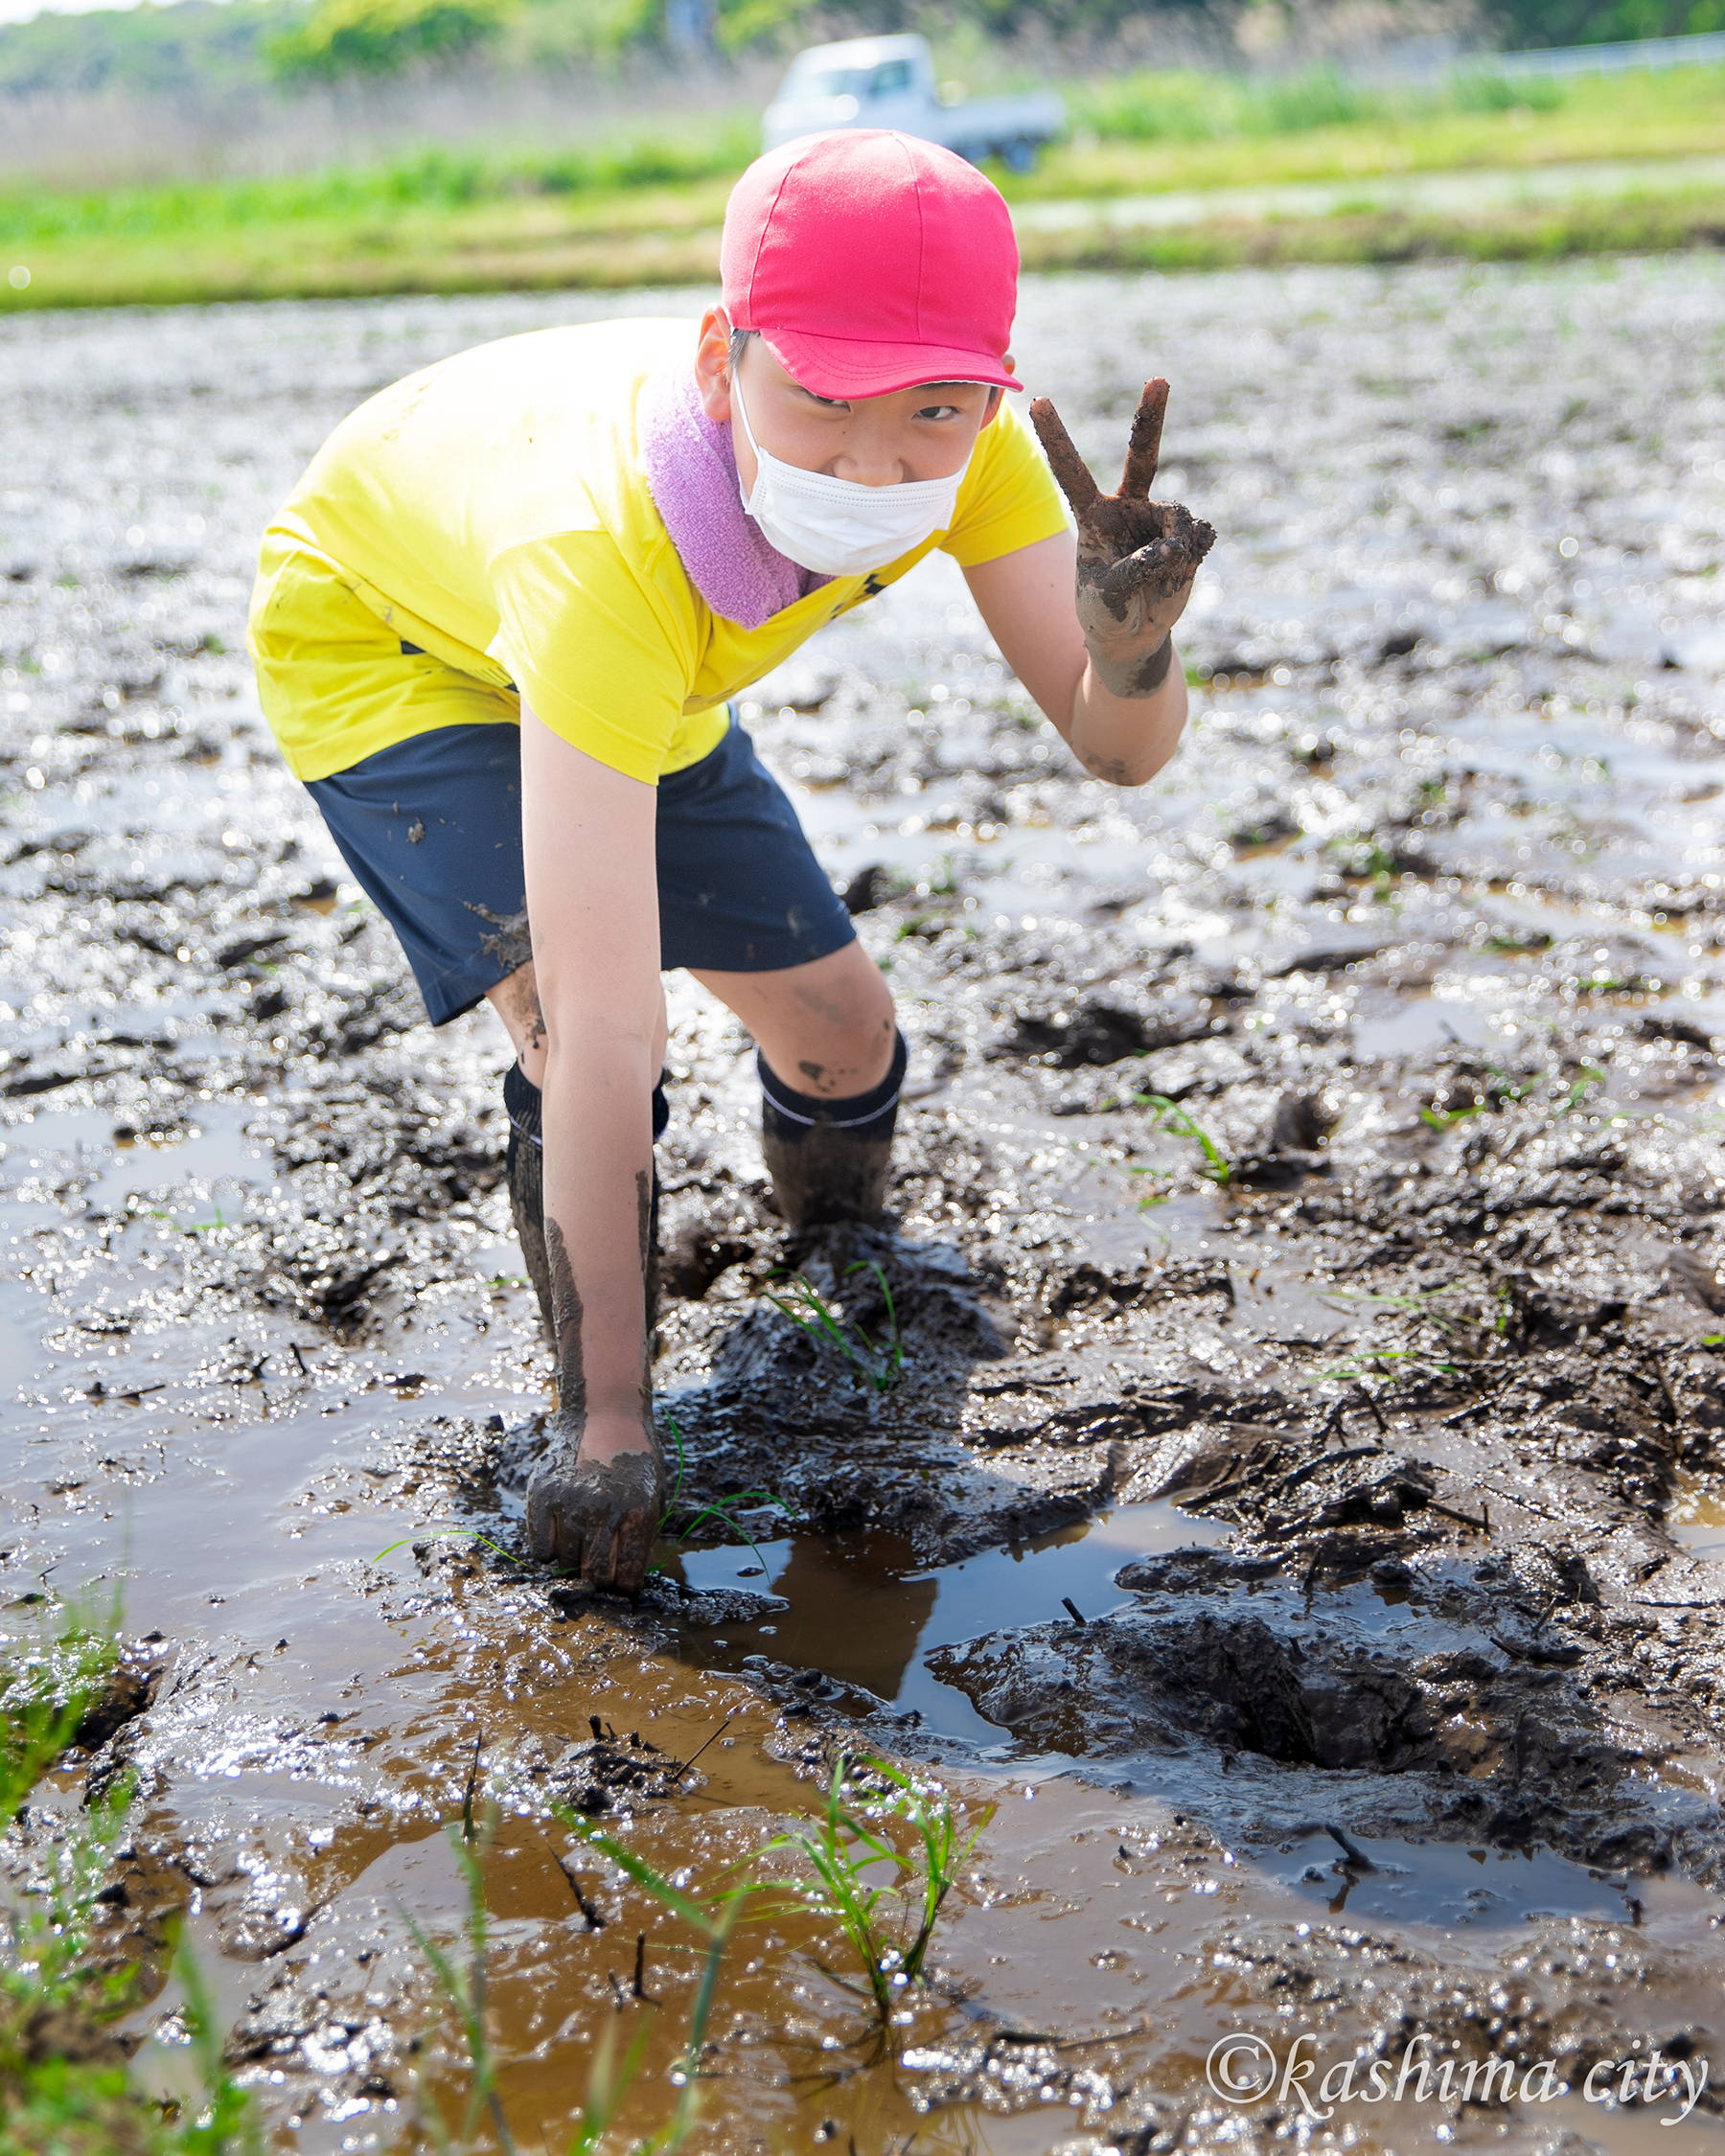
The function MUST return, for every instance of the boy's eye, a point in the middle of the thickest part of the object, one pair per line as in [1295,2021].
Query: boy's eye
[938,412]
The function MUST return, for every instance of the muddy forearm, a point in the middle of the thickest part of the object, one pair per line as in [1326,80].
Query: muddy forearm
[598,1140]
[1126,740]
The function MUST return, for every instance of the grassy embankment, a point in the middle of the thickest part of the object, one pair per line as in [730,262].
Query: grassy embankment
[648,212]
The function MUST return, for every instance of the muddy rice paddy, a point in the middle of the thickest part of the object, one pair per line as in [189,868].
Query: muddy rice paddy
[1372,1433]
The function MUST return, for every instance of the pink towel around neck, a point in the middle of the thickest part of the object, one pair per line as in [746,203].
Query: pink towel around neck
[692,475]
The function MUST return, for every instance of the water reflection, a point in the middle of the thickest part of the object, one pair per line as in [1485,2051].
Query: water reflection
[863,1613]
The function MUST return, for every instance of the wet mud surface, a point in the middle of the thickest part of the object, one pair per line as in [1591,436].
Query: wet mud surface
[1300,1510]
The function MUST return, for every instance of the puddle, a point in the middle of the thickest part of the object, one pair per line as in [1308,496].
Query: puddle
[209,1147]
[1696,1520]
[863,1614]
[1460,1889]
[21,1350]
[1423,1023]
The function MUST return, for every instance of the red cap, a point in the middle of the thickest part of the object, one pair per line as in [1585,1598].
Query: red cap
[871,261]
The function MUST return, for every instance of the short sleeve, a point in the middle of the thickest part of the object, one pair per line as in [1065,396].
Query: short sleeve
[602,650]
[1008,499]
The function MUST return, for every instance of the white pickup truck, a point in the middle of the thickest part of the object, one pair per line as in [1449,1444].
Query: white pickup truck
[890,83]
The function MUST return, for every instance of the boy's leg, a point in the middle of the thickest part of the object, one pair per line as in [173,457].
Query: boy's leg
[831,1061]
[747,910]
[516,1002]
[826,1028]
[432,830]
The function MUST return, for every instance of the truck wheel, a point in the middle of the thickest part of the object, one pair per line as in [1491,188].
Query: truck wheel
[1019,154]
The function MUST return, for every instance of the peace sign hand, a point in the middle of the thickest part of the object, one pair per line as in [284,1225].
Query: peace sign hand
[1137,558]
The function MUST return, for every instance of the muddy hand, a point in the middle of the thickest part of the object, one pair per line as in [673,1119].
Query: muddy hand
[596,1518]
[1137,558]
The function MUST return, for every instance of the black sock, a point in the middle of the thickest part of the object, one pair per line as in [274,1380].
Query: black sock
[791,1116]
[524,1104]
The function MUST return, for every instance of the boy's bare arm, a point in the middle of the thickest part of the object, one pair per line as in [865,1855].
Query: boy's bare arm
[1087,624]
[592,899]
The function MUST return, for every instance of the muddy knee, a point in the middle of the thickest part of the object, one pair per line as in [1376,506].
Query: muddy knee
[829,1159]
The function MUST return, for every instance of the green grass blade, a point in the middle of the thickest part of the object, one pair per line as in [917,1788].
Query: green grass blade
[641,1872]
[446,1535]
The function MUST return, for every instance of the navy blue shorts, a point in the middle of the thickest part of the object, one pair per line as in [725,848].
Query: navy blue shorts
[432,832]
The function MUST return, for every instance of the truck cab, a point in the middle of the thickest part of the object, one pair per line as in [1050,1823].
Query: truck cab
[890,83]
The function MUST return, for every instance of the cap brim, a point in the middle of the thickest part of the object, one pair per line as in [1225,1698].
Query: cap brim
[852,367]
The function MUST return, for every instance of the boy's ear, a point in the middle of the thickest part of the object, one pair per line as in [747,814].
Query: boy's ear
[993,405]
[712,365]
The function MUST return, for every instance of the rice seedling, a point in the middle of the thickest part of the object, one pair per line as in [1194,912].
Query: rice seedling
[1463,1334]
[1578,1093]
[1152,1197]
[1499,1087]
[465,1990]
[1380,1362]
[889,1927]
[610,2082]
[1441,1118]
[1168,1116]
[51,1965]
[447,1534]
[725,1509]
[879,1362]
[192,1227]
[1416,1306]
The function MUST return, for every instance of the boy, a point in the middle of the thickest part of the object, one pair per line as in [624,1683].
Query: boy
[497,629]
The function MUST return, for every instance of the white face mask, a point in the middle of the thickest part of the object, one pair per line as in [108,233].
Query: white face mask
[840,527]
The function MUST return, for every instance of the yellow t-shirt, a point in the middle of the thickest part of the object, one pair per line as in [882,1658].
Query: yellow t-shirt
[494,510]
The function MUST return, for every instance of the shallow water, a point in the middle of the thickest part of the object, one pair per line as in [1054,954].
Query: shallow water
[1422,929]
[863,1613]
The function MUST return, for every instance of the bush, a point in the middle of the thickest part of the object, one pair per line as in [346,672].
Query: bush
[342,37]
[1186,107]
[194,50]
[1485,90]
[1155,107]
[556,32]
[1319,98]
[1519,23]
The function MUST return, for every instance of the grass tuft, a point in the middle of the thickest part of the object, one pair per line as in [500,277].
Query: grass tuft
[724,1508]
[879,1362]
[64,2088]
[889,1927]
[1168,1116]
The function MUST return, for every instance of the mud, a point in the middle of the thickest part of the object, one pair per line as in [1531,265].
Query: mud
[1305,1533]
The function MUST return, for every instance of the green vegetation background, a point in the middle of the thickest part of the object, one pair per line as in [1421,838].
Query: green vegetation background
[199,47]
[641,207]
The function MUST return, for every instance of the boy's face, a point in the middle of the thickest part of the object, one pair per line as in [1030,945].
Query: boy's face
[923,433]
